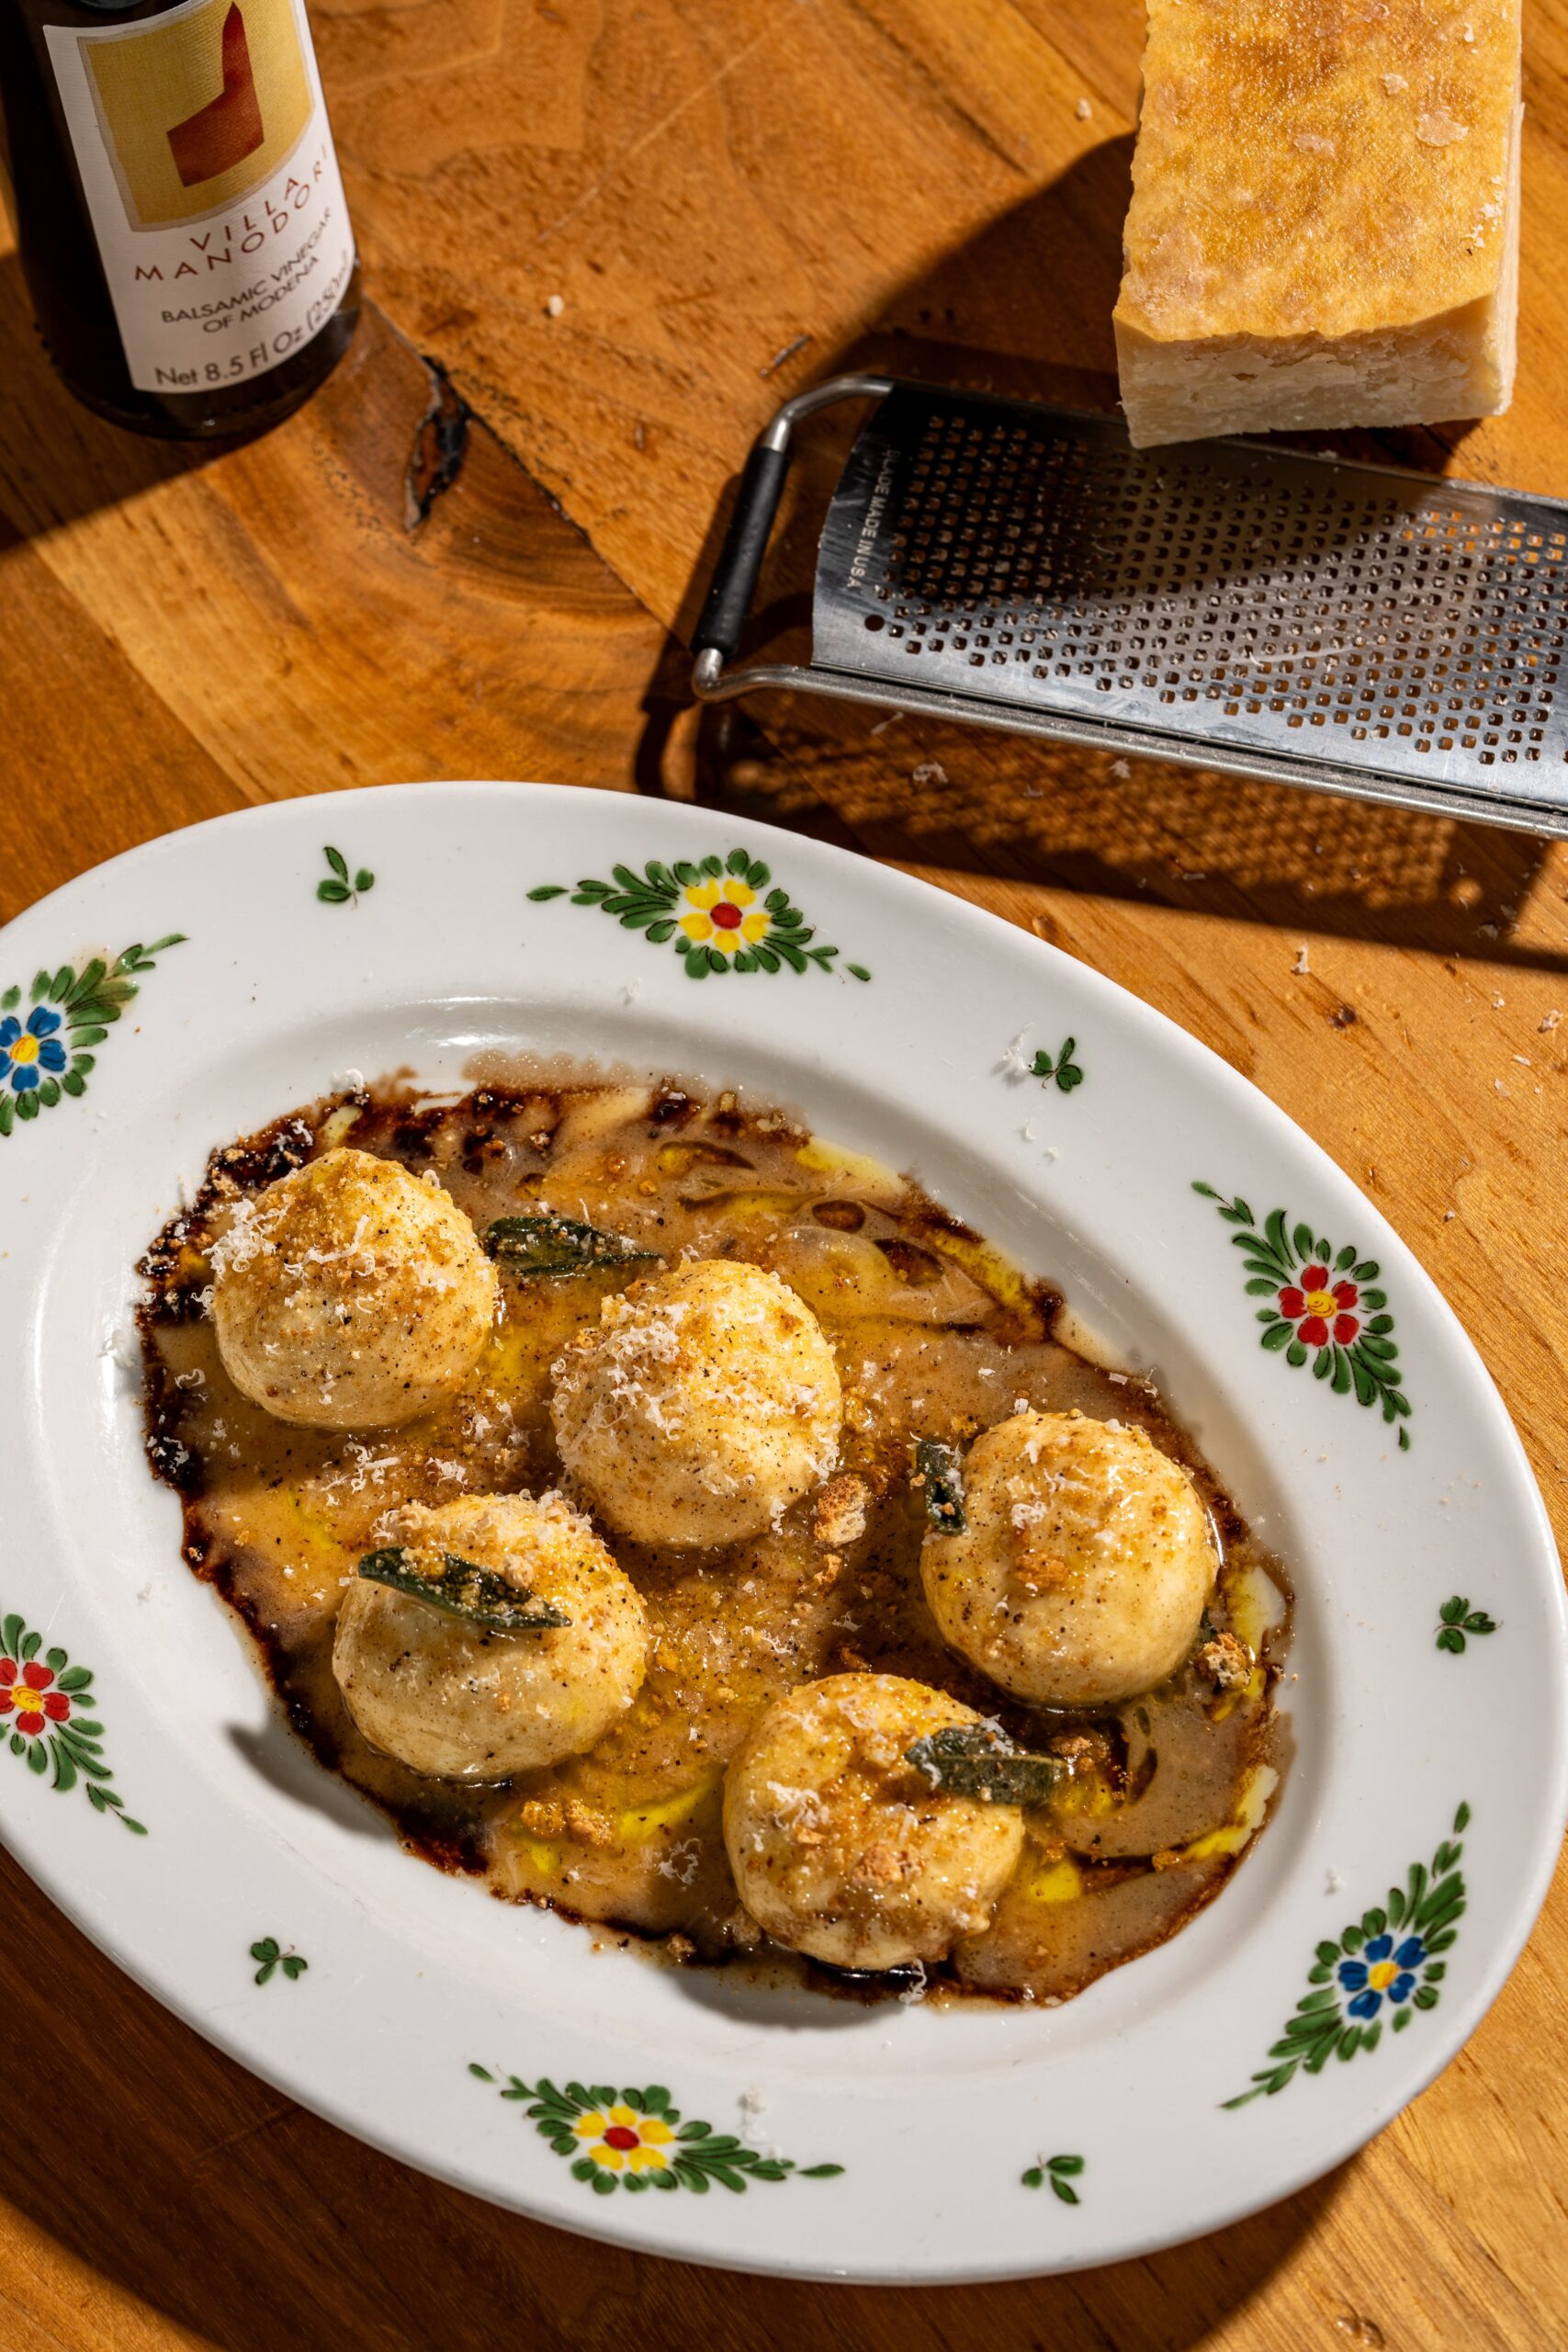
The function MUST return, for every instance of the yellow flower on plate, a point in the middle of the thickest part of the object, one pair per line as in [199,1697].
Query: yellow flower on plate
[630,2139]
[720,915]
[724,915]
[622,2139]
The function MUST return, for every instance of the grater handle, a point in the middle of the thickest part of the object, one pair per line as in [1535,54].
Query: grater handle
[756,505]
[740,557]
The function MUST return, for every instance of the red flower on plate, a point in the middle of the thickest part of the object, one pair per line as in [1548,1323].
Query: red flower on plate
[26,1691]
[1320,1309]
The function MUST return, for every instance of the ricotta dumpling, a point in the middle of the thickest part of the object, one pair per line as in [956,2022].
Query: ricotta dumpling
[350,1294]
[459,1701]
[1323,227]
[1082,1568]
[842,1847]
[705,1404]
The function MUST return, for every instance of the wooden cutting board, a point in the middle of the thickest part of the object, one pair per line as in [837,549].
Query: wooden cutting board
[603,239]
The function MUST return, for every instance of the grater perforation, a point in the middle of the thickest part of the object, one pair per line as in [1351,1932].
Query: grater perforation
[1220,603]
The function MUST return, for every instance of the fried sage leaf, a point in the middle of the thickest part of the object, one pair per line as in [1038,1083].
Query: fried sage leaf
[980,1760]
[463,1590]
[938,1466]
[559,1245]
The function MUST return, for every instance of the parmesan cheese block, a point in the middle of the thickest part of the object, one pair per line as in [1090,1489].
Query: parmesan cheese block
[1323,227]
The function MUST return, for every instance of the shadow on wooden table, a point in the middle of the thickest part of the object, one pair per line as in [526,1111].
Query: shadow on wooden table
[153,2168]
[100,465]
[1177,838]
[1025,308]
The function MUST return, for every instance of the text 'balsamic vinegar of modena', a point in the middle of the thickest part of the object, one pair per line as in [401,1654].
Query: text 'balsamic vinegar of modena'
[178,206]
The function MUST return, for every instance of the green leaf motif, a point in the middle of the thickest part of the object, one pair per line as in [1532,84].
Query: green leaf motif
[1383,1968]
[48,1707]
[274,1959]
[1060,1066]
[636,2139]
[46,1060]
[1457,1621]
[1347,1335]
[713,912]
[336,889]
[1057,2174]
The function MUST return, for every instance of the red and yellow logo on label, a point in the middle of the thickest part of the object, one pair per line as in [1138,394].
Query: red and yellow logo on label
[200,107]
[220,134]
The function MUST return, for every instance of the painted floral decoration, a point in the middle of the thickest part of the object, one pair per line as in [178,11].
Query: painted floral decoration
[724,914]
[1381,1971]
[47,1053]
[619,2138]
[1323,1306]
[30,1050]
[720,914]
[26,1691]
[47,1717]
[1320,1307]
[1383,1968]
[636,2139]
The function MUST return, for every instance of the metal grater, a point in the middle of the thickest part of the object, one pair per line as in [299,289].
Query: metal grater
[1220,603]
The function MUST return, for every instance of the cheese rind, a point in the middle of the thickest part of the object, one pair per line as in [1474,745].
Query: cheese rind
[1325,216]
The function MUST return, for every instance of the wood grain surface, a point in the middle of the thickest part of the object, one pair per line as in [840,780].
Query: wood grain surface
[729,198]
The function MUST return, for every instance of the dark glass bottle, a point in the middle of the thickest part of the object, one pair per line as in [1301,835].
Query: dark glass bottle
[181,220]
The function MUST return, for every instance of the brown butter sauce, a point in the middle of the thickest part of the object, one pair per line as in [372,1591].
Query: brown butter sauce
[935,1334]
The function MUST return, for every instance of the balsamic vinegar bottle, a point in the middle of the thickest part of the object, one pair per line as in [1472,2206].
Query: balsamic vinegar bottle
[178,207]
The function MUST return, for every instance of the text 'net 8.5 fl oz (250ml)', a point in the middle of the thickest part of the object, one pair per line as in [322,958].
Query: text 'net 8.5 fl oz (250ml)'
[178,206]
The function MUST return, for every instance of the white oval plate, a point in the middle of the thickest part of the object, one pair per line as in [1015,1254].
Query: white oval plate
[1428,1783]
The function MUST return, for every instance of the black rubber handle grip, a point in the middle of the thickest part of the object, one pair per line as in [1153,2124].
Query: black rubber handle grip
[740,557]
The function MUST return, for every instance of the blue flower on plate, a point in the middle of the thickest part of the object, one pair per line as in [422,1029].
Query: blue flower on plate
[1381,1972]
[28,1053]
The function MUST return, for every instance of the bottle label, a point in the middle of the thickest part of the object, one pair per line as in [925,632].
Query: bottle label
[212,182]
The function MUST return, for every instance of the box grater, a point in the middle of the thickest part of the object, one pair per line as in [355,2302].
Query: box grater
[1219,603]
